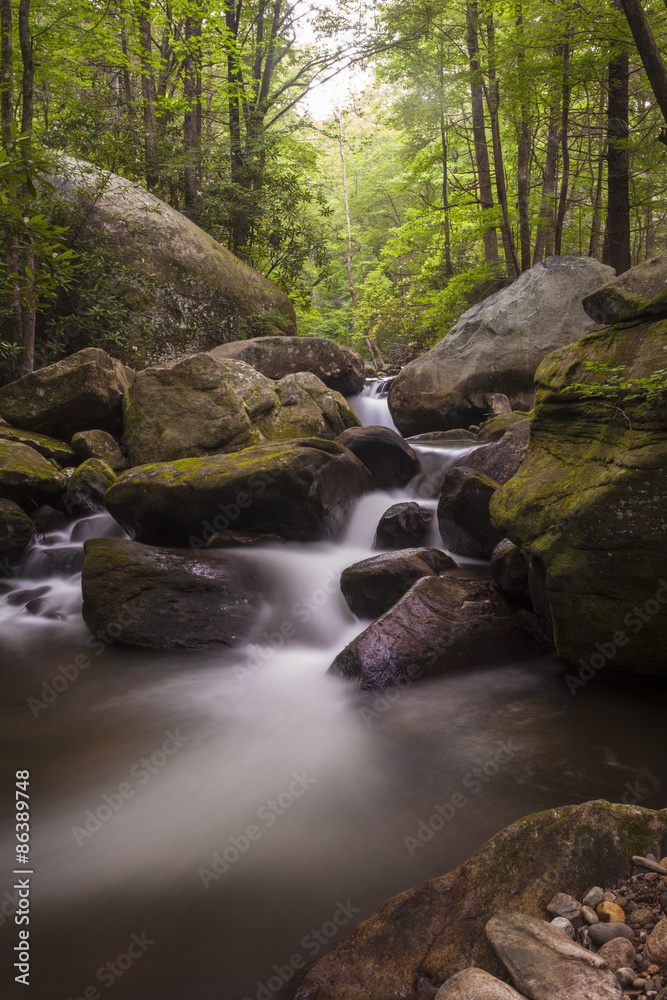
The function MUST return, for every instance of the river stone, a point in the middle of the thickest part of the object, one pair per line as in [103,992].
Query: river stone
[626,977]
[339,367]
[99,444]
[509,570]
[402,526]
[27,477]
[167,598]
[301,490]
[496,347]
[80,393]
[618,953]
[88,484]
[463,513]
[501,459]
[439,626]
[372,586]
[16,530]
[475,984]
[656,943]
[601,933]
[58,452]
[497,403]
[495,427]
[307,407]
[594,896]
[587,507]
[564,925]
[589,915]
[544,964]
[610,913]
[423,936]
[453,435]
[388,457]
[640,293]
[641,917]
[563,905]
[198,294]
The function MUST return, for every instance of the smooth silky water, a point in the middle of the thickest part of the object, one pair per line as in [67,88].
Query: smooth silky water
[303,788]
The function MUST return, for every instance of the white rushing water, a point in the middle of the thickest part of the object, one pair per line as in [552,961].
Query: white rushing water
[225,803]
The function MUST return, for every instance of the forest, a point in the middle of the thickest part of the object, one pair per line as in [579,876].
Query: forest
[385,165]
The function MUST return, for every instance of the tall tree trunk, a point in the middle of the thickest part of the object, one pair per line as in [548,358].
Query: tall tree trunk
[127,79]
[565,150]
[616,248]
[148,95]
[240,223]
[350,280]
[524,149]
[649,53]
[545,224]
[596,199]
[511,259]
[192,31]
[28,80]
[449,270]
[26,359]
[479,132]
[6,69]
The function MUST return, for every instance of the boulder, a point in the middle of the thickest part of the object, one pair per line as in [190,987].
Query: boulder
[439,626]
[420,938]
[58,452]
[509,569]
[197,294]
[587,508]
[463,513]
[618,953]
[475,984]
[16,530]
[497,403]
[494,428]
[496,347]
[98,444]
[80,393]
[88,484]
[373,585]
[640,293]
[301,490]
[167,598]
[339,367]
[500,460]
[200,406]
[544,964]
[388,457]
[454,435]
[27,477]
[403,526]
[602,933]
[656,944]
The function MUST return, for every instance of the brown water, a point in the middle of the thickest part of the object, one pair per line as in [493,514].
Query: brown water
[306,864]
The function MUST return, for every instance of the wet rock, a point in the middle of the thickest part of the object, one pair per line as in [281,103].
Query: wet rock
[373,585]
[81,392]
[463,513]
[497,403]
[494,428]
[639,293]
[387,456]
[88,484]
[403,526]
[475,984]
[26,477]
[610,913]
[656,944]
[544,964]
[300,490]
[167,598]
[48,520]
[453,435]
[566,906]
[423,936]
[20,598]
[99,444]
[500,460]
[58,452]
[440,625]
[618,953]
[337,366]
[240,539]
[16,530]
[601,933]
[509,570]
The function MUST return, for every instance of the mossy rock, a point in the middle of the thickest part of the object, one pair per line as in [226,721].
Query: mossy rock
[58,452]
[88,484]
[99,444]
[640,293]
[494,428]
[16,530]
[27,477]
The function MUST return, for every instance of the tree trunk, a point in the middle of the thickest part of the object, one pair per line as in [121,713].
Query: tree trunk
[565,150]
[616,248]
[649,53]
[350,280]
[148,95]
[28,80]
[6,69]
[192,31]
[479,133]
[449,270]
[545,224]
[511,259]
[524,150]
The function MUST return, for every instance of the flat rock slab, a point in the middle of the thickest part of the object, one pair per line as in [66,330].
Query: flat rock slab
[476,984]
[545,964]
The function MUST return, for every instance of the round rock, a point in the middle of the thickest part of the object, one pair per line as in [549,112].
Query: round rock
[618,954]
[656,945]
[563,924]
[610,912]
[594,896]
[601,933]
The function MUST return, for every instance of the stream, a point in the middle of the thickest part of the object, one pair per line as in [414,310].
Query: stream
[200,819]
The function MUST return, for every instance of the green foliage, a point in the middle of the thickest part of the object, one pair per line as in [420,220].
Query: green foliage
[615,387]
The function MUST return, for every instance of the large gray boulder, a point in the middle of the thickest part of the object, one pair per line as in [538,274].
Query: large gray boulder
[201,294]
[496,347]
[300,490]
[337,366]
[80,393]
[203,406]
[387,456]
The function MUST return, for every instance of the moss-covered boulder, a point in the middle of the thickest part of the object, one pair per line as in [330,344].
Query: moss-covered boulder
[27,477]
[500,460]
[299,489]
[197,293]
[88,484]
[16,530]
[339,367]
[464,518]
[420,938]
[494,428]
[588,507]
[98,444]
[640,293]
[201,406]
[167,598]
[80,393]
[58,452]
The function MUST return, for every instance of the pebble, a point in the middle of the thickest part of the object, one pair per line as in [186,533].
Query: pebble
[618,954]
[608,897]
[610,912]
[589,915]
[626,977]
[565,906]
[650,863]
[656,945]
[601,933]
[563,924]
[641,917]
[663,901]
[594,896]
